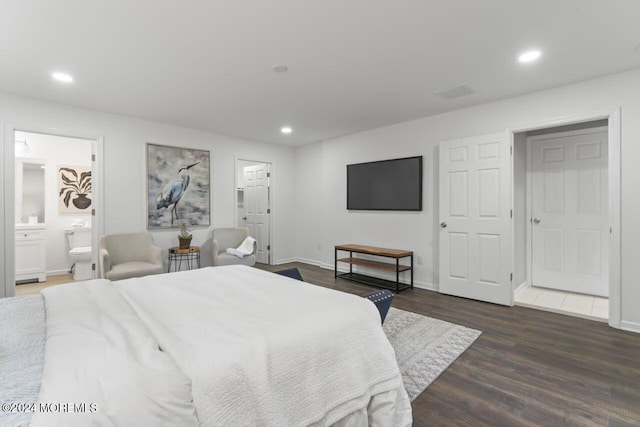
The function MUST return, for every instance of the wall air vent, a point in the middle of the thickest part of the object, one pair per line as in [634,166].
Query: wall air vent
[455,91]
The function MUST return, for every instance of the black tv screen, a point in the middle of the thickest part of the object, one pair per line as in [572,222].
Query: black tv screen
[387,185]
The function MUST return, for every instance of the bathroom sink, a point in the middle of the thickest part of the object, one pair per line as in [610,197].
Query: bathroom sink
[39,226]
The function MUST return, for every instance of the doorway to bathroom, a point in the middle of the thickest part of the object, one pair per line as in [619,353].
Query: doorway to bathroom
[56,221]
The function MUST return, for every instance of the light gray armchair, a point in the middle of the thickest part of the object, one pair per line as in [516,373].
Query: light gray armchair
[224,238]
[123,256]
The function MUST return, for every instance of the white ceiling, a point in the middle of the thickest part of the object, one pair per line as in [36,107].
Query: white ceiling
[353,64]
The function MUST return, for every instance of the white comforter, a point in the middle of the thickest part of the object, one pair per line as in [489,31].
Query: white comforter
[103,367]
[259,349]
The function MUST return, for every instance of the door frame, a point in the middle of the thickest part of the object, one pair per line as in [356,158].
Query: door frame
[271,199]
[97,222]
[614,142]
[529,142]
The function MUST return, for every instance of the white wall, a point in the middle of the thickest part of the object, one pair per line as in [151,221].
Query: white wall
[519,209]
[56,151]
[417,231]
[310,222]
[124,163]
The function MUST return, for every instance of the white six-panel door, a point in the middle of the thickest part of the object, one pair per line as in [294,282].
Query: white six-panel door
[569,212]
[475,222]
[256,199]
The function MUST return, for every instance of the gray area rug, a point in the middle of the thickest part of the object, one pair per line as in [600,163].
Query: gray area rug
[424,347]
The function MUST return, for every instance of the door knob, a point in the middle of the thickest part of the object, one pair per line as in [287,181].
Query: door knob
[443,224]
[244,217]
[535,221]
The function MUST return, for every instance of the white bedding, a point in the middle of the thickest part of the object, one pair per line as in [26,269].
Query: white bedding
[257,348]
[22,337]
[99,353]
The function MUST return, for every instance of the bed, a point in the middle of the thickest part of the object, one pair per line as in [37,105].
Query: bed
[218,346]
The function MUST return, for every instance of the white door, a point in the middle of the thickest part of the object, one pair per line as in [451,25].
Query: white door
[475,218]
[569,212]
[256,202]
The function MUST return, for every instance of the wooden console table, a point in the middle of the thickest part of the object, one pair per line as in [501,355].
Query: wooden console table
[386,266]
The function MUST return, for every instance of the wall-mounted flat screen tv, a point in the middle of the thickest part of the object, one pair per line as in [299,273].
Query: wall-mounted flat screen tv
[386,185]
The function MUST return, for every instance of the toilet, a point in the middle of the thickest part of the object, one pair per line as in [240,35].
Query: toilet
[79,239]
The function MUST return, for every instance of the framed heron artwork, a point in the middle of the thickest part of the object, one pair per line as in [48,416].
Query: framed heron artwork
[178,187]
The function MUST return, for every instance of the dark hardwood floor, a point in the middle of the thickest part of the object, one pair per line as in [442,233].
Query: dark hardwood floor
[528,368]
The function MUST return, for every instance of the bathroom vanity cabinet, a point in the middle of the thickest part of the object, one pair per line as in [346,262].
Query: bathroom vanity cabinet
[31,252]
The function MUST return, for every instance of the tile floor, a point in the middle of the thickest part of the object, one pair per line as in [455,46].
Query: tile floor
[578,305]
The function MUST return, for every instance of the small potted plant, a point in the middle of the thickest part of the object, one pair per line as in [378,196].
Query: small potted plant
[184,236]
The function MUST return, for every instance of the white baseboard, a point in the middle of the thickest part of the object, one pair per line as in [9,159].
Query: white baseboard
[284,261]
[426,285]
[416,284]
[344,269]
[524,285]
[57,272]
[302,260]
[341,267]
[310,262]
[630,326]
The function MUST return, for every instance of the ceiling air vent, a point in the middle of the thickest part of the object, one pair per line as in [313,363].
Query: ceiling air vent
[455,91]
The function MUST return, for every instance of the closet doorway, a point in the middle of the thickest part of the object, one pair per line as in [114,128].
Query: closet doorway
[566,183]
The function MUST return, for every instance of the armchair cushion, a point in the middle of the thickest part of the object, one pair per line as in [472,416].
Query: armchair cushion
[127,270]
[123,256]
[228,259]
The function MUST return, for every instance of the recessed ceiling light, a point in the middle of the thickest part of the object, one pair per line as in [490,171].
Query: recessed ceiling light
[532,55]
[286,130]
[62,77]
[278,68]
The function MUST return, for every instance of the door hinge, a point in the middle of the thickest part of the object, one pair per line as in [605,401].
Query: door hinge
[93,157]
[269,210]
[93,267]
[268,247]
[93,212]
[268,174]
[511,277]
[511,150]
[510,213]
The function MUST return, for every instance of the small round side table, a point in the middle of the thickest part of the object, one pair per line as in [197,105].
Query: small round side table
[190,256]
